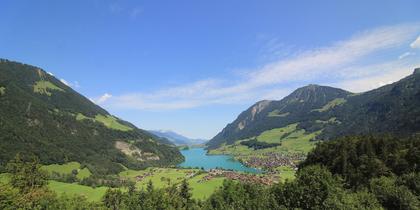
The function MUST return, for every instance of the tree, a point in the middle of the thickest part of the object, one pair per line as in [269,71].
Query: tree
[150,187]
[393,196]
[112,199]
[27,188]
[185,190]
[26,176]
[312,187]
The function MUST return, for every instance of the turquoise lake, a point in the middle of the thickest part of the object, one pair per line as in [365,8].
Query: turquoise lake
[197,157]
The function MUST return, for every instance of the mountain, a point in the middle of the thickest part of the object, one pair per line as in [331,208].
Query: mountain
[176,138]
[42,116]
[329,112]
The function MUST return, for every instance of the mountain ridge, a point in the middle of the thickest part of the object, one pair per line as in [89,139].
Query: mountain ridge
[281,112]
[40,114]
[328,110]
[177,138]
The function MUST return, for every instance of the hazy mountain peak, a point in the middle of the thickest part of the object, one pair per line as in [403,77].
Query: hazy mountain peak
[177,138]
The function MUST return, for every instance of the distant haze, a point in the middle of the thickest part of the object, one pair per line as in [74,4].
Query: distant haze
[176,138]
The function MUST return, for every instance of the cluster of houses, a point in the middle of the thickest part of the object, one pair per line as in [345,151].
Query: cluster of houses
[273,160]
[139,178]
[242,177]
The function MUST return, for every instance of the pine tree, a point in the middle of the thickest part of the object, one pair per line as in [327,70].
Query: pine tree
[150,187]
[26,176]
[185,193]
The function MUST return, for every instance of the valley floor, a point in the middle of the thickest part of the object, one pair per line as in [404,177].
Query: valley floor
[281,159]
[202,183]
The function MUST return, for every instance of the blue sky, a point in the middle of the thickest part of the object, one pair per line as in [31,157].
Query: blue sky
[193,66]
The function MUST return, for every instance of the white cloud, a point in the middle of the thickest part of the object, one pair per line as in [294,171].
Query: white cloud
[323,61]
[345,61]
[118,9]
[102,99]
[50,73]
[74,84]
[404,55]
[416,43]
[381,74]
[65,82]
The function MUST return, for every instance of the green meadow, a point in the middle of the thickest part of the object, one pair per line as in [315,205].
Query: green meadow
[292,140]
[286,173]
[109,121]
[67,169]
[91,194]
[164,177]
[160,177]
[4,178]
[2,91]
[43,87]
[203,189]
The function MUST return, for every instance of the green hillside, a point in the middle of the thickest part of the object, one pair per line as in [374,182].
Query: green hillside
[42,116]
[330,113]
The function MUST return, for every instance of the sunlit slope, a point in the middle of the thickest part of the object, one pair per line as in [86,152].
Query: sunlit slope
[42,116]
[324,113]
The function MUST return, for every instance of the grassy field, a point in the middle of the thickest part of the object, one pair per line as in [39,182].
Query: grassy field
[91,194]
[202,190]
[277,113]
[109,121]
[292,140]
[2,90]
[67,169]
[331,104]
[164,177]
[275,135]
[286,173]
[43,87]
[161,177]
[4,178]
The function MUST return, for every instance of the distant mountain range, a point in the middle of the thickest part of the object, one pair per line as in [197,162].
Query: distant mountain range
[333,112]
[42,116]
[176,138]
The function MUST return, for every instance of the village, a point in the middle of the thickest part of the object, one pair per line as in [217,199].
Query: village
[273,160]
[265,179]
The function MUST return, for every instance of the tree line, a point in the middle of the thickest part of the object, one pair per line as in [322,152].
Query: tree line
[360,172]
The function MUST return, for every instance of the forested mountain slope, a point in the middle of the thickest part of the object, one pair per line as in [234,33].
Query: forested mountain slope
[333,112]
[41,115]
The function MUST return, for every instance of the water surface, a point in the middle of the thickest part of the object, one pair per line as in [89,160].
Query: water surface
[197,157]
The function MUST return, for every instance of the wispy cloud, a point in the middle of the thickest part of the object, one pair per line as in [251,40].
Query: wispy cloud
[347,62]
[74,84]
[102,99]
[132,12]
[406,54]
[416,43]
[135,12]
[376,75]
